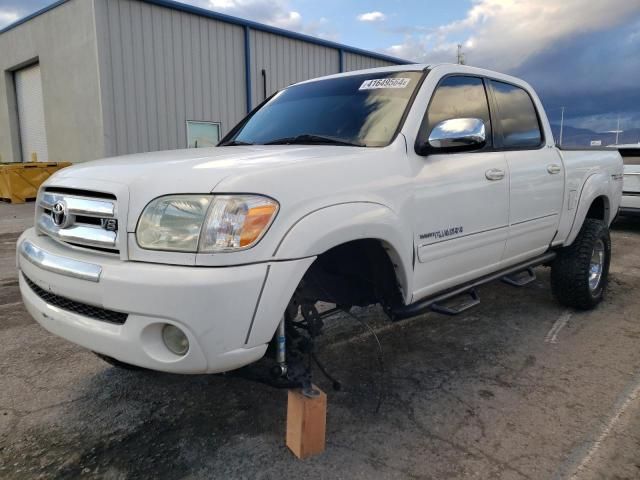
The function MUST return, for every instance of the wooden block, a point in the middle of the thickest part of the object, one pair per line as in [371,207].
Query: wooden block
[306,423]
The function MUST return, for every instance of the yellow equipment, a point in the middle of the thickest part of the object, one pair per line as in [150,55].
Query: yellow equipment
[19,182]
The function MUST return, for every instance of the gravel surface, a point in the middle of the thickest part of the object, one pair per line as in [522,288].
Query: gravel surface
[517,388]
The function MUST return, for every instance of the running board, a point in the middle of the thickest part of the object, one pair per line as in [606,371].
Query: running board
[521,278]
[424,305]
[472,301]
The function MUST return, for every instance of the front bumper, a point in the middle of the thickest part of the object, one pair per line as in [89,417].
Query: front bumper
[215,307]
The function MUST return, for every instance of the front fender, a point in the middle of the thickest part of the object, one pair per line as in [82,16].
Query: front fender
[597,185]
[328,227]
[318,232]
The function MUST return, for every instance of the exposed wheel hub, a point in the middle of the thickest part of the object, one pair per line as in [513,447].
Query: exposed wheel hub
[596,266]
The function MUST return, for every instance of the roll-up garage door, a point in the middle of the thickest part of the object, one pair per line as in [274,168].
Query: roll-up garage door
[33,135]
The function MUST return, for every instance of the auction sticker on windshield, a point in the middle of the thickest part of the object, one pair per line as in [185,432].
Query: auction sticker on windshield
[384,83]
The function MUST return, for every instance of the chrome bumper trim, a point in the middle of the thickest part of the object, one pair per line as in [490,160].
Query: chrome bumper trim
[57,264]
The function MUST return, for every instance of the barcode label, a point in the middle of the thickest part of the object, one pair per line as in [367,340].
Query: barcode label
[385,83]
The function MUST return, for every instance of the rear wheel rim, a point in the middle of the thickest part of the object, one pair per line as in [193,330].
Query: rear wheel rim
[596,265]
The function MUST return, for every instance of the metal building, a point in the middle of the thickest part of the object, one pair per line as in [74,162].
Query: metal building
[85,79]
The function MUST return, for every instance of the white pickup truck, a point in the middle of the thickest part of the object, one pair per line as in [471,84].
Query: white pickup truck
[630,203]
[405,186]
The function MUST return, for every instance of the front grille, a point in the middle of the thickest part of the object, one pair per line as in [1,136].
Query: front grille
[80,218]
[83,309]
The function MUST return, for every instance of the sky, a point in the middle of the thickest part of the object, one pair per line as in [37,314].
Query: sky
[580,54]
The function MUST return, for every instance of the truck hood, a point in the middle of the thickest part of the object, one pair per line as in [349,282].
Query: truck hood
[143,177]
[196,170]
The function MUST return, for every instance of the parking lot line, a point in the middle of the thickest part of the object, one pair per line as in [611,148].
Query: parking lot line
[622,404]
[560,323]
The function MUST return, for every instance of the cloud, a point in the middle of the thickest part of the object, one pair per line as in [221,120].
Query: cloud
[503,34]
[277,13]
[591,74]
[13,10]
[274,12]
[576,53]
[7,17]
[606,121]
[372,17]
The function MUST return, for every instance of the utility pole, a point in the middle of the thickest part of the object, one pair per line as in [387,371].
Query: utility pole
[617,131]
[561,126]
[460,55]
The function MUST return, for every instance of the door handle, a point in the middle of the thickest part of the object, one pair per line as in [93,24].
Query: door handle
[553,169]
[494,174]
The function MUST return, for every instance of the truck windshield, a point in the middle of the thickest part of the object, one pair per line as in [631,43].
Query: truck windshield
[358,110]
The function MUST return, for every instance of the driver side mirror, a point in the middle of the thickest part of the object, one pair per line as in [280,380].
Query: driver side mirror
[456,135]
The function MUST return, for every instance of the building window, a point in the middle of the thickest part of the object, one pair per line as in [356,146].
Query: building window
[202,134]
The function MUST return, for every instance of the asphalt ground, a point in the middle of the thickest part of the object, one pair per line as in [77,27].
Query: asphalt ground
[519,387]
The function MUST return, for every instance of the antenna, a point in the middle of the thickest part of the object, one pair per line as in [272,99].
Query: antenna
[460,55]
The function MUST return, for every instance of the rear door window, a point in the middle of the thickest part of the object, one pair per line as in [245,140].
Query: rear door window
[517,117]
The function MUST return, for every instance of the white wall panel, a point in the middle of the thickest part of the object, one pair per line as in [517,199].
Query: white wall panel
[33,134]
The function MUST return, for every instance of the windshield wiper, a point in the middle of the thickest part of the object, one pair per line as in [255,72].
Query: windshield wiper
[309,139]
[234,143]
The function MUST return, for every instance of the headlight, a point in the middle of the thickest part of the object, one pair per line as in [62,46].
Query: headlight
[205,223]
[173,223]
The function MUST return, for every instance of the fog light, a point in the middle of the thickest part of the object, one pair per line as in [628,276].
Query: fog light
[175,340]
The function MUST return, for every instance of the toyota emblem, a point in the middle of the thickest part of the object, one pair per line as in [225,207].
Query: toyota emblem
[59,214]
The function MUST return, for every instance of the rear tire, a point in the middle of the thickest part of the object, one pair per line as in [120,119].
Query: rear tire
[580,272]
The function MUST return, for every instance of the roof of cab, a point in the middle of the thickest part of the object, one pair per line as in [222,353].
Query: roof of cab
[411,67]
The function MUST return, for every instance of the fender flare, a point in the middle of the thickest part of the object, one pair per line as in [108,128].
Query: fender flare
[328,227]
[597,185]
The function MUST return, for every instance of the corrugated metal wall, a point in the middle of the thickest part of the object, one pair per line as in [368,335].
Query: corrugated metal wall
[354,61]
[287,61]
[161,67]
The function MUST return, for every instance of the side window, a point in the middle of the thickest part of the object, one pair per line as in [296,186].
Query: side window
[459,97]
[517,116]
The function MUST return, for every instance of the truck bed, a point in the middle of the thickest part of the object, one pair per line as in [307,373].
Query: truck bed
[631,186]
[580,165]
